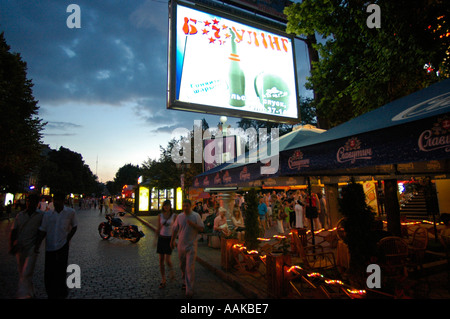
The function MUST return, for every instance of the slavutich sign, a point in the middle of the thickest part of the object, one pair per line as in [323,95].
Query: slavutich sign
[438,137]
[352,151]
[296,161]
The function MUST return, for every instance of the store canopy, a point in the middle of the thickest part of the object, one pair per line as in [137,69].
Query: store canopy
[413,130]
[241,172]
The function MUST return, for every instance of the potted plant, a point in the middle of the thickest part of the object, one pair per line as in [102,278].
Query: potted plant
[252,231]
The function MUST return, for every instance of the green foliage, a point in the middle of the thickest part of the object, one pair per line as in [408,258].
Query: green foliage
[64,170]
[361,69]
[126,175]
[358,223]
[252,230]
[20,127]
[162,173]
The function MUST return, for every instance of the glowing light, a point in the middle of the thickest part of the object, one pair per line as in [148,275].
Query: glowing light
[356,291]
[294,268]
[252,252]
[314,274]
[334,282]
[279,236]
[264,239]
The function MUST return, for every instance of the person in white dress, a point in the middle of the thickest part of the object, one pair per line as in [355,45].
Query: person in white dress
[299,214]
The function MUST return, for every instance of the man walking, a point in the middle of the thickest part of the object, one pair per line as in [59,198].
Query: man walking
[58,226]
[187,226]
[24,233]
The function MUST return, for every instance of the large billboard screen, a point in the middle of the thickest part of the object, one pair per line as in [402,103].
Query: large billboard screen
[221,65]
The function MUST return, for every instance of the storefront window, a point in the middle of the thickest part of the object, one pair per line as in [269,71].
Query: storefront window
[154,202]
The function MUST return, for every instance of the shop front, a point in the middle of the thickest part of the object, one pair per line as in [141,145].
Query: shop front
[149,200]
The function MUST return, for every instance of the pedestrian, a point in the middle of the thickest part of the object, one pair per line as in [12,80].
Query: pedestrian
[238,223]
[312,204]
[58,227]
[111,204]
[299,215]
[164,231]
[323,215]
[51,206]
[23,237]
[100,205]
[9,209]
[279,211]
[288,213]
[43,205]
[187,226]
[262,211]
[220,223]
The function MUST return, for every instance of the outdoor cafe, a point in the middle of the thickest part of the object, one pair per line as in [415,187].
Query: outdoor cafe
[404,142]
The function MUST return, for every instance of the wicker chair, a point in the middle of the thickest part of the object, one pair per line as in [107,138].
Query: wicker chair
[313,257]
[394,255]
[417,248]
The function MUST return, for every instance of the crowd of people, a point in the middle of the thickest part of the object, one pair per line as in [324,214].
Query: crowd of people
[289,209]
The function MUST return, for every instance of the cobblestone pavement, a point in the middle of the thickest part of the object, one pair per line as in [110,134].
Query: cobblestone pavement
[113,268]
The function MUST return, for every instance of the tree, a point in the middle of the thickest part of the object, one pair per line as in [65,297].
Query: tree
[356,69]
[162,173]
[20,127]
[64,170]
[126,175]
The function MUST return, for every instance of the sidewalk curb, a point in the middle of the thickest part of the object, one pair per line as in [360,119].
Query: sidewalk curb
[228,278]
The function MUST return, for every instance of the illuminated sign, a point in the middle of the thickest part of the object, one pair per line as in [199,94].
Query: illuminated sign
[179,197]
[144,195]
[220,65]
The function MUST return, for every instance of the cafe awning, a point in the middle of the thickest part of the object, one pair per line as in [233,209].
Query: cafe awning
[412,132]
[242,173]
[412,129]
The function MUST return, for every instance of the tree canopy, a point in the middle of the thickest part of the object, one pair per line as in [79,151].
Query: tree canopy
[65,171]
[356,69]
[20,127]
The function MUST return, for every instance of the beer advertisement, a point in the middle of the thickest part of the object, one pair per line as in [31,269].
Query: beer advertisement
[228,65]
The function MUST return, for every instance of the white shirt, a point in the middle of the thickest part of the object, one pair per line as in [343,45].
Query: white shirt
[58,226]
[187,235]
[298,215]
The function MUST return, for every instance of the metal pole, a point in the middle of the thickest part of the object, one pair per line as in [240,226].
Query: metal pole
[310,205]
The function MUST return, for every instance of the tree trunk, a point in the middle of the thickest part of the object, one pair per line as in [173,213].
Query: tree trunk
[392,207]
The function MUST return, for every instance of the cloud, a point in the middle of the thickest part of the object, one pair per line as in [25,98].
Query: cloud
[59,134]
[61,125]
[118,54]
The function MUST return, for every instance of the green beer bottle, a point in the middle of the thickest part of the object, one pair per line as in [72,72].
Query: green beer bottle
[236,77]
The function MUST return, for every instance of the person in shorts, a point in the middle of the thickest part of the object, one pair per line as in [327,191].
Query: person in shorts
[166,220]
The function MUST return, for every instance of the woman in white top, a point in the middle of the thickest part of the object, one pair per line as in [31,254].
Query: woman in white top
[298,214]
[166,220]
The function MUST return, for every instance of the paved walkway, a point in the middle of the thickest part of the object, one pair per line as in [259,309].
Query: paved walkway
[251,285]
[254,285]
